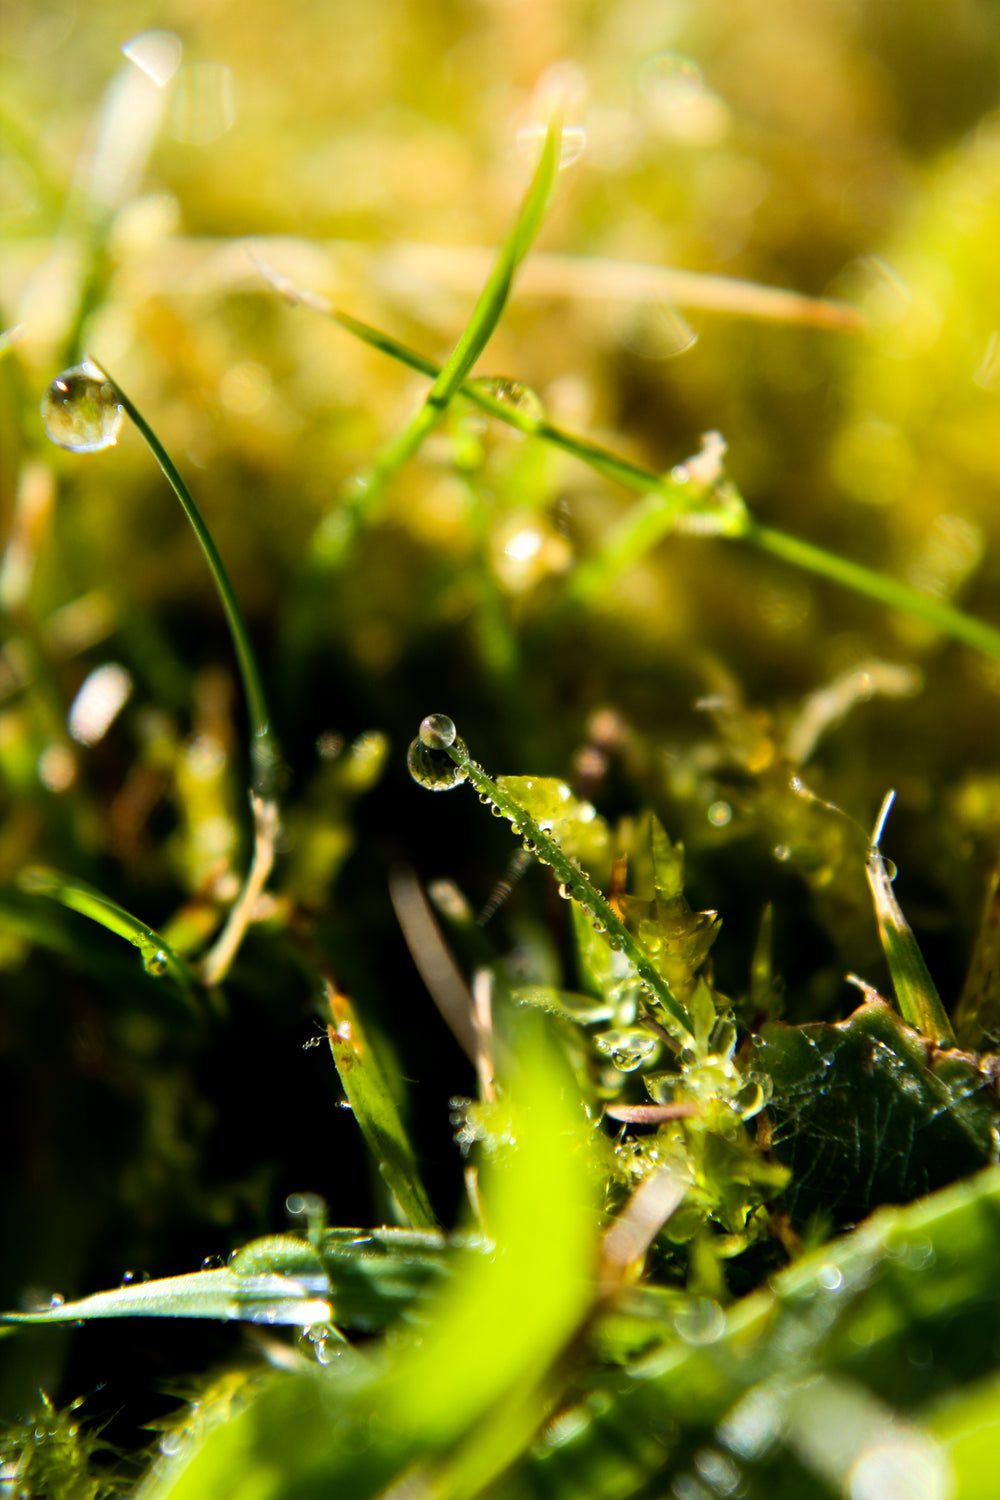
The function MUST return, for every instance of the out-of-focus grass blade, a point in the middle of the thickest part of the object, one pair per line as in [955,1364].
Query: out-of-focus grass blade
[370,1097]
[158,958]
[337,529]
[919,1002]
[472,1384]
[903,1307]
[977,1015]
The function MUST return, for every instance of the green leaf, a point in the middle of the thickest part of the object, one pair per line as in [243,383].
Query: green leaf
[370,1097]
[863,1113]
[806,1380]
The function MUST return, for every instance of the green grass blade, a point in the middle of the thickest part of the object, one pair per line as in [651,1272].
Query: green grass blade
[265,1297]
[873,585]
[264,753]
[489,1344]
[158,958]
[337,530]
[665,500]
[370,1097]
[919,1002]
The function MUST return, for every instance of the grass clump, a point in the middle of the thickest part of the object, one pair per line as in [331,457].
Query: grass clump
[686,1180]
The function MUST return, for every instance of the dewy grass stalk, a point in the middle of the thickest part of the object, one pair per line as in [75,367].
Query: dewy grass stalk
[439,761]
[158,958]
[82,411]
[264,753]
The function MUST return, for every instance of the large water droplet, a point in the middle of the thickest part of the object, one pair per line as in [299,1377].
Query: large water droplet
[513,394]
[627,1049]
[433,769]
[80,410]
[700,1321]
[156,963]
[437,732]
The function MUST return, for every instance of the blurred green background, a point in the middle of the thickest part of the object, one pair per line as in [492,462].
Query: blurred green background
[837,149]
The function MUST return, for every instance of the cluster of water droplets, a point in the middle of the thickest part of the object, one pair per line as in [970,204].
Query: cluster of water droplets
[628,1047]
[710,1078]
[428,759]
[81,411]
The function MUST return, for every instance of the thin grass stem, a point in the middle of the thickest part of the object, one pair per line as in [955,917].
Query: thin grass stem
[578,887]
[264,755]
[667,499]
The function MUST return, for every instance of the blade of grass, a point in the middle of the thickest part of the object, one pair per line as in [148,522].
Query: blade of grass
[666,499]
[267,1297]
[337,530]
[919,1002]
[370,1097]
[156,953]
[264,754]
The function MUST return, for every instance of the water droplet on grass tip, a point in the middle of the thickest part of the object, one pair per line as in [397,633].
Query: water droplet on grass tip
[156,963]
[80,410]
[512,394]
[437,732]
[433,769]
[573,141]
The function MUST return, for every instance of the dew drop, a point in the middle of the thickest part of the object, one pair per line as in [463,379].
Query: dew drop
[782,853]
[437,732]
[752,1097]
[512,394]
[719,814]
[628,1050]
[156,963]
[80,410]
[700,1321]
[134,1278]
[829,1277]
[572,142]
[433,769]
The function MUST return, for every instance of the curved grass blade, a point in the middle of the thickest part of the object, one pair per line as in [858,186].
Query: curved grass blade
[264,754]
[158,958]
[370,1097]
